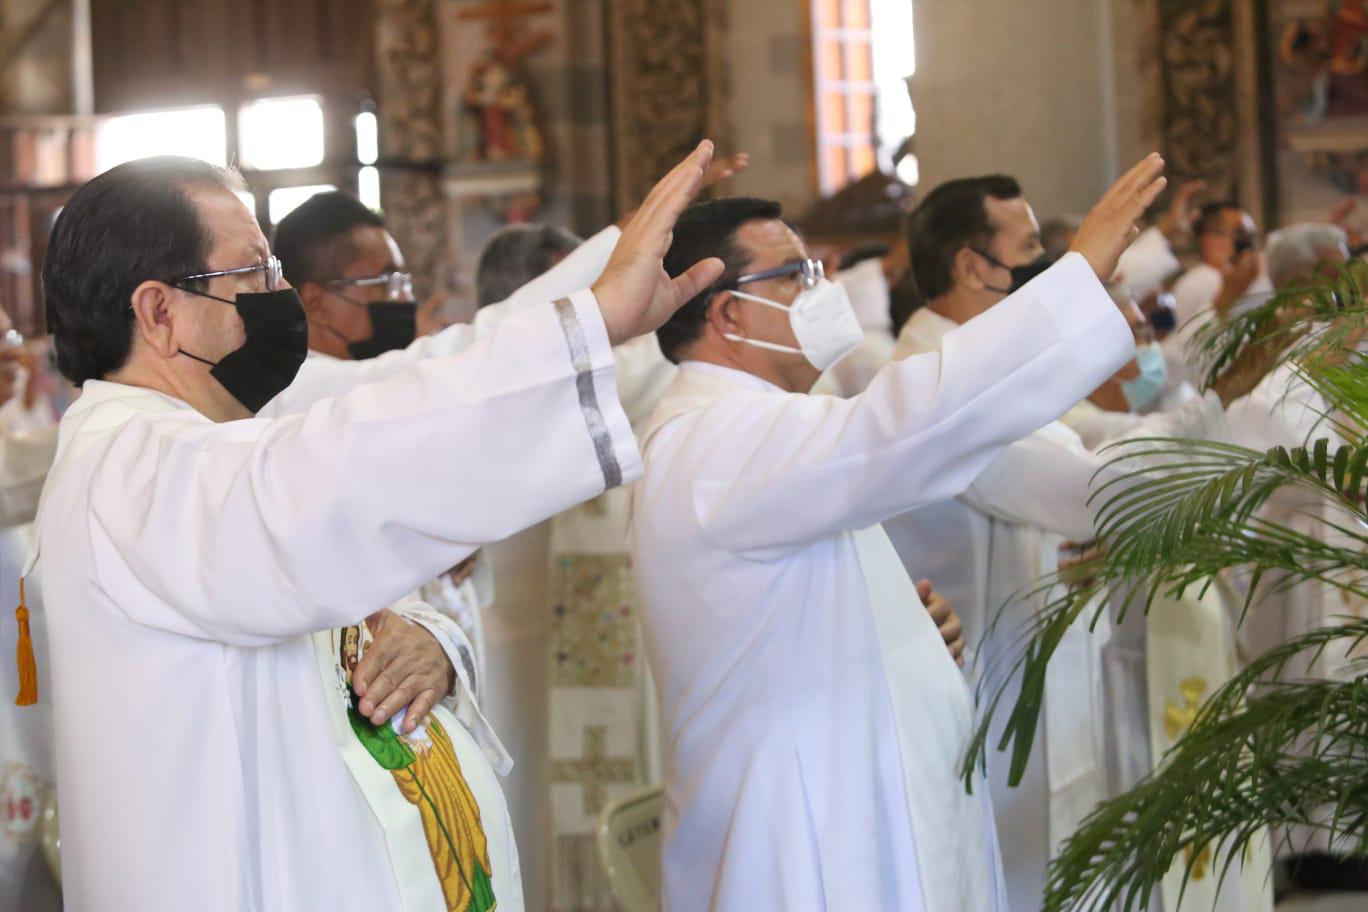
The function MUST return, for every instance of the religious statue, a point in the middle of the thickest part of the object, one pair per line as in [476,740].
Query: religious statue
[425,768]
[1327,58]
[499,116]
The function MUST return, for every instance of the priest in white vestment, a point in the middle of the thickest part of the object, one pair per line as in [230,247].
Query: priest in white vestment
[1230,266]
[1286,411]
[1007,529]
[1158,665]
[198,560]
[814,722]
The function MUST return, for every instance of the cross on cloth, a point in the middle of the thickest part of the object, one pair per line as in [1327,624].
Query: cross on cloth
[595,770]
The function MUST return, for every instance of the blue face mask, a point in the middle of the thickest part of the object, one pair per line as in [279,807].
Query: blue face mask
[1141,392]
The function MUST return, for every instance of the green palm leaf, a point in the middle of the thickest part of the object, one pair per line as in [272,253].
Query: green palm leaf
[1242,767]
[1174,514]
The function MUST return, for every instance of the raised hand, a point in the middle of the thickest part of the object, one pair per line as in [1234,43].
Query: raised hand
[1177,221]
[725,167]
[1236,280]
[1110,227]
[718,170]
[635,294]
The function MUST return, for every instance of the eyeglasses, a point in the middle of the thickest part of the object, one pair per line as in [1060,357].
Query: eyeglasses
[810,271]
[270,266]
[398,285]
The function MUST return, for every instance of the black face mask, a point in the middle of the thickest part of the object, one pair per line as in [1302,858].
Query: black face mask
[1163,318]
[1023,274]
[276,345]
[1020,274]
[394,324]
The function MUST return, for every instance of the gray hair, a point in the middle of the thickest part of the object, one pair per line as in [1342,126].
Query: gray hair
[1294,252]
[515,256]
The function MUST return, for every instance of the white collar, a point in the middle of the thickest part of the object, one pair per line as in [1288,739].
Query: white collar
[95,393]
[925,329]
[738,377]
[868,292]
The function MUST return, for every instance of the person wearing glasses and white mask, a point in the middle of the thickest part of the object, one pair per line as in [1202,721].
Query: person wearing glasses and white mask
[814,720]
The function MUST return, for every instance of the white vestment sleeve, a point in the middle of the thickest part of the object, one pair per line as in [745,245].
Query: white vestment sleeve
[580,269]
[322,378]
[1147,264]
[1194,294]
[1283,410]
[258,530]
[1046,479]
[25,457]
[1042,481]
[812,466]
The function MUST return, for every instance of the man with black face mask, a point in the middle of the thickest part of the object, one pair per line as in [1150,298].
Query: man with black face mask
[968,239]
[215,582]
[358,299]
[350,275]
[363,321]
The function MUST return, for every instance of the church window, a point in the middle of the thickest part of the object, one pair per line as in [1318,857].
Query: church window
[862,54]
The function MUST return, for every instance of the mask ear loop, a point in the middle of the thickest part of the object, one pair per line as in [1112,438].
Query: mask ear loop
[758,300]
[772,346]
[199,359]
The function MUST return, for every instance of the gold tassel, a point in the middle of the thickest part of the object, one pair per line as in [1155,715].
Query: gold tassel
[28,669]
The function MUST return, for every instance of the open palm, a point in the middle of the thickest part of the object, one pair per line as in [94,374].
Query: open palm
[634,293]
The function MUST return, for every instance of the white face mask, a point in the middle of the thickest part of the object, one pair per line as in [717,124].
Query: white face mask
[823,322]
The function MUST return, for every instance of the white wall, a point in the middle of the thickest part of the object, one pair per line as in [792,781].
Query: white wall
[1022,88]
[768,54]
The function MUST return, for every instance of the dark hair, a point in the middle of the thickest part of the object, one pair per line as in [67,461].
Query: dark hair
[705,230]
[133,223]
[1206,219]
[903,301]
[951,217]
[515,256]
[313,242]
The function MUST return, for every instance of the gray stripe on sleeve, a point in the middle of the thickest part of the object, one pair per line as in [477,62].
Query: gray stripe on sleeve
[588,398]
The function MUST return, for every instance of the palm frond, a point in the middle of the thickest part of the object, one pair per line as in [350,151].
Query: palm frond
[1243,766]
[1174,515]
[1324,314]
[1343,384]
[1169,531]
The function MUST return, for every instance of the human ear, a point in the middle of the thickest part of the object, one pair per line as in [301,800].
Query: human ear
[965,267]
[722,312]
[314,298]
[154,316]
